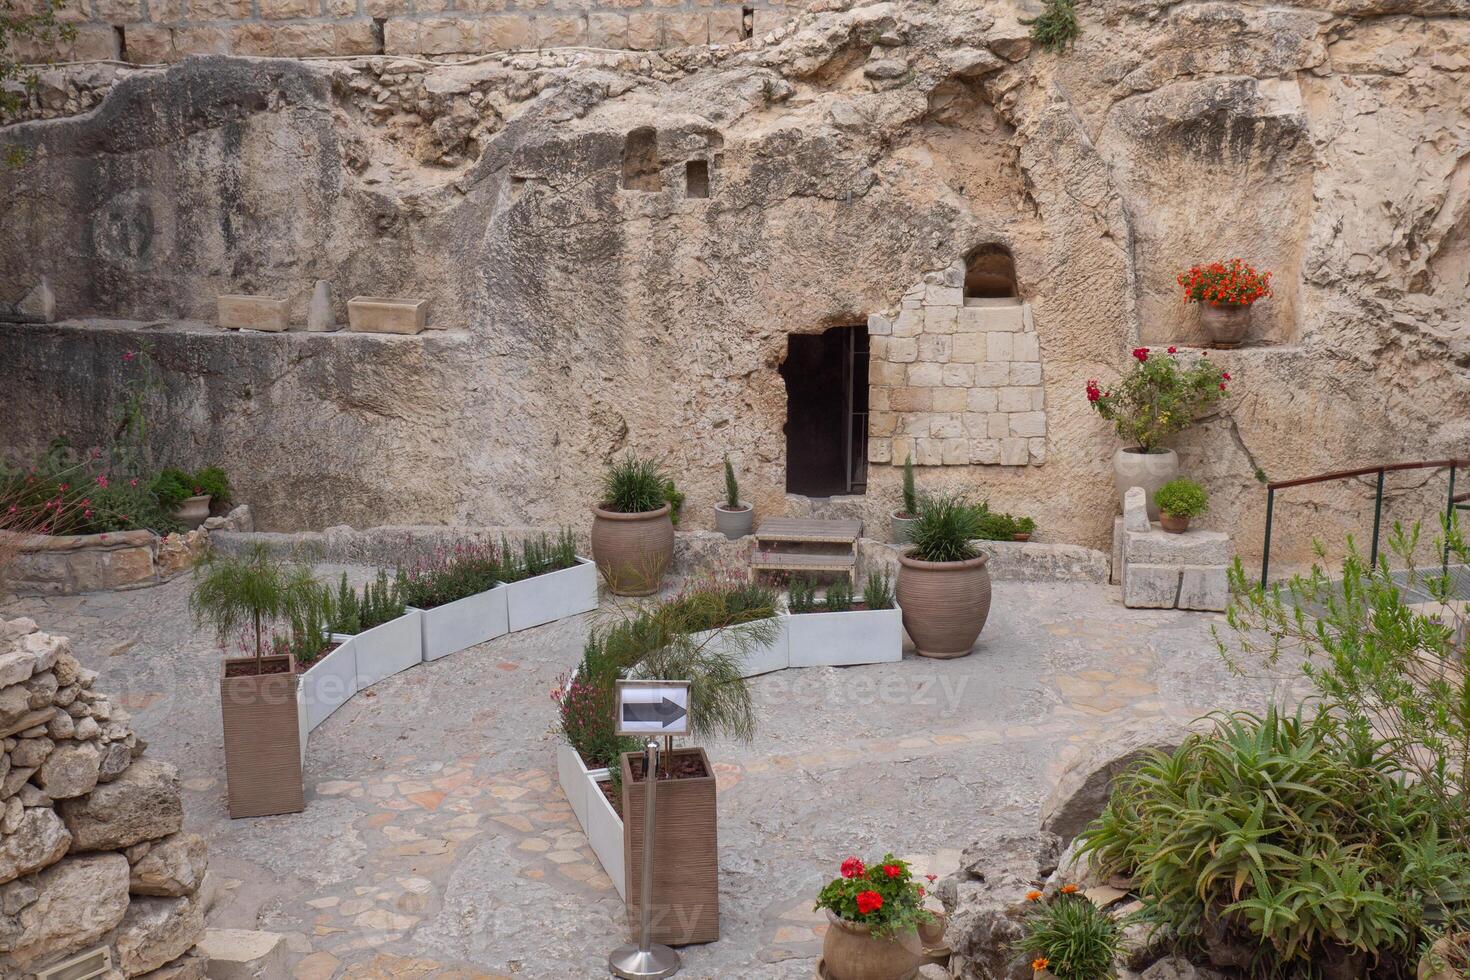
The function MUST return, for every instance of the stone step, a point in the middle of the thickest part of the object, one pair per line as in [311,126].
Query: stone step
[808,531]
[783,561]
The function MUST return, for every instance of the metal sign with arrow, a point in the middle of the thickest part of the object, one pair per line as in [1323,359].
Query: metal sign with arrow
[653,707]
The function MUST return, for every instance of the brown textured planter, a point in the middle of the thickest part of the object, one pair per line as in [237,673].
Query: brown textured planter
[262,739]
[1172,524]
[944,603]
[1226,324]
[686,861]
[851,952]
[632,550]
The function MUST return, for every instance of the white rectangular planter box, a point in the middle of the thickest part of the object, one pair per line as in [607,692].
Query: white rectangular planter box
[760,659]
[599,821]
[556,595]
[461,624]
[841,639]
[387,648]
[328,684]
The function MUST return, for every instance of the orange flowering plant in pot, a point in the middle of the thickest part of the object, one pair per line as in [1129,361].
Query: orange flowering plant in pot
[1225,292]
[878,925]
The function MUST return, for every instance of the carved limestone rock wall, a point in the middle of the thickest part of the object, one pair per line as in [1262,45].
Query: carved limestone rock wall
[92,847]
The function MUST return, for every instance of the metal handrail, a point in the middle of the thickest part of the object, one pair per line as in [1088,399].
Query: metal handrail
[1436,464]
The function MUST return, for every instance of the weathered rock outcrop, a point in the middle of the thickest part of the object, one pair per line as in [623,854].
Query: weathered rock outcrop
[986,901]
[599,294]
[1085,785]
[66,882]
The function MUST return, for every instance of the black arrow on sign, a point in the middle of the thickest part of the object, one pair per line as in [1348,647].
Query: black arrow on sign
[665,713]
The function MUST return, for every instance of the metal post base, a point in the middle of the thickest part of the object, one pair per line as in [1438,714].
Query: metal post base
[633,963]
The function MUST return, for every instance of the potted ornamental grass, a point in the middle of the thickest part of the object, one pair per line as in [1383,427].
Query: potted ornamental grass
[632,527]
[733,518]
[1225,292]
[546,580]
[878,926]
[1068,937]
[258,693]
[385,634]
[840,629]
[943,584]
[1162,395]
[901,522]
[1179,500]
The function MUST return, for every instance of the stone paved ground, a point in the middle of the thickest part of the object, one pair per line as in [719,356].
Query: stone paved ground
[437,843]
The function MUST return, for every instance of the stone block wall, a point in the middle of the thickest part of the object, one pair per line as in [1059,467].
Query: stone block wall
[955,381]
[92,847]
[156,32]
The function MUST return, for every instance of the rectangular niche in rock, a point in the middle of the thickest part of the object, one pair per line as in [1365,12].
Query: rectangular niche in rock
[696,179]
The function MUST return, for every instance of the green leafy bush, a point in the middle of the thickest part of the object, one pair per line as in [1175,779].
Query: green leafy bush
[1182,498]
[801,595]
[838,597]
[1070,937]
[1161,396]
[1056,29]
[946,526]
[720,601]
[634,486]
[675,498]
[381,601]
[213,481]
[998,526]
[1285,839]
[883,896]
[538,555]
[878,591]
[173,486]
[251,592]
[450,574]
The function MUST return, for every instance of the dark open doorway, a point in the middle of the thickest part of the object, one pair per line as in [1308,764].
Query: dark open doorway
[827,412]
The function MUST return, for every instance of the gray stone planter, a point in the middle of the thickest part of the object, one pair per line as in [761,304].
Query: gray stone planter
[759,659]
[387,648]
[556,595]
[600,822]
[328,684]
[735,524]
[842,639]
[461,624]
[902,529]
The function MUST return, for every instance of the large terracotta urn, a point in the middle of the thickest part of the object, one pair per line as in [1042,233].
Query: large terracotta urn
[851,952]
[945,604]
[1135,467]
[632,551]
[1226,324]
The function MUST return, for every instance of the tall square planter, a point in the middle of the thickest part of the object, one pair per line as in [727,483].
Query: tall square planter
[842,639]
[686,866]
[387,648]
[595,814]
[546,598]
[758,659]
[263,746]
[329,683]
[463,623]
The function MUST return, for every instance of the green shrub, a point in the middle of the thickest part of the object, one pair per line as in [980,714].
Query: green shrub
[717,602]
[380,601]
[634,486]
[1075,939]
[801,595]
[997,526]
[883,896]
[1056,28]
[308,626]
[172,487]
[1162,395]
[538,555]
[838,597]
[732,487]
[450,574]
[675,498]
[945,528]
[213,481]
[1182,498]
[878,591]
[1284,836]
[910,491]
[64,492]
[250,592]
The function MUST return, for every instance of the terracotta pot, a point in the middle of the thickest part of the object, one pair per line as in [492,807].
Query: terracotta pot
[1021,537]
[1436,965]
[944,603]
[193,511]
[901,529]
[851,952]
[1226,324]
[734,524]
[1136,468]
[262,739]
[632,550]
[1174,525]
[686,859]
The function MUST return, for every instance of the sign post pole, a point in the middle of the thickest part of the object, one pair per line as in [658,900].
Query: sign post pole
[647,960]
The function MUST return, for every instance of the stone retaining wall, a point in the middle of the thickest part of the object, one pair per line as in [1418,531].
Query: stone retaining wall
[151,33]
[92,848]
[66,564]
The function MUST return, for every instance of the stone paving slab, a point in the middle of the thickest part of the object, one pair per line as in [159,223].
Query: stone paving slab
[436,842]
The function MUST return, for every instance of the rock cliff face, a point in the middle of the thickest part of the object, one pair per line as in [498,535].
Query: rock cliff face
[92,848]
[592,301]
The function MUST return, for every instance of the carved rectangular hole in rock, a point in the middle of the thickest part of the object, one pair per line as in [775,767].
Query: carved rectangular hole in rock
[378,27]
[747,22]
[826,378]
[696,178]
[120,41]
[640,161]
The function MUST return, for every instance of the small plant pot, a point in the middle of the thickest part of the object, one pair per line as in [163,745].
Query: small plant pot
[1174,525]
[1226,324]
[945,604]
[734,523]
[851,952]
[901,528]
[1021,537]
[263,729]
[1135,468]
[632,551]
[193,511]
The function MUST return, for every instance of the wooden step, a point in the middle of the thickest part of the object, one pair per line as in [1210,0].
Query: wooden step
[789,561]
[800,531]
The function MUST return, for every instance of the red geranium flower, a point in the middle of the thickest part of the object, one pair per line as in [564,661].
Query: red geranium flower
[853,868]
[892,870]
[869,902]
[1093,392]
[1225,375]
[1141,353]
[1173,349]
